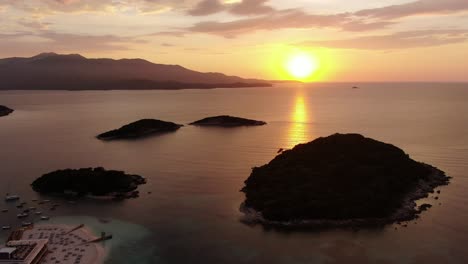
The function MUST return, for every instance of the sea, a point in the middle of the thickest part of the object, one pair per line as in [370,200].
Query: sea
[188,212]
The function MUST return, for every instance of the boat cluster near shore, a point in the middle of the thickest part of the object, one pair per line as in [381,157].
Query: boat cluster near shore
[27,212]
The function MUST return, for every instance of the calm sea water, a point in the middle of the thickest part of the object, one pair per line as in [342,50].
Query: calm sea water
[195,174]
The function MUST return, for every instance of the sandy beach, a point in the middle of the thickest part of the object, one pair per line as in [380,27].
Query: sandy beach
[68,247]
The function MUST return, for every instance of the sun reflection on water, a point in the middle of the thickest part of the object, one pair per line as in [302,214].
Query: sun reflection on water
[299,129]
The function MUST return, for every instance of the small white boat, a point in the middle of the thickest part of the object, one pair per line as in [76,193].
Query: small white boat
[6,227]
[37,212]
[45,217]
[23,215]
[26,223]
[9,198]
[32,208]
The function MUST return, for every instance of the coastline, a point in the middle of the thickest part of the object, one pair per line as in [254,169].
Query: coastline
[408,211]
[92,253]
[101,252]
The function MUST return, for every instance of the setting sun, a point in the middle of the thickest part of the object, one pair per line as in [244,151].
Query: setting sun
[301,66]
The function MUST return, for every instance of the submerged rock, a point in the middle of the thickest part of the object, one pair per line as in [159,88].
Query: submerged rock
[140,128]
[4,111]
[424,207]
[227,121]
[340,180]
[88,181]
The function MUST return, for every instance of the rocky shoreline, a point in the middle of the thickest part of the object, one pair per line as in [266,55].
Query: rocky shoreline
[345,180]
[408,211]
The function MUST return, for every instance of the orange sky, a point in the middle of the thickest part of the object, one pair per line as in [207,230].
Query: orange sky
[353,40]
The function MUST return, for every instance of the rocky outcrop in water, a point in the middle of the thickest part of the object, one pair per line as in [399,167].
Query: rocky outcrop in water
[4,111]
[140,128]
[89,181]
[227,121]
[340,180]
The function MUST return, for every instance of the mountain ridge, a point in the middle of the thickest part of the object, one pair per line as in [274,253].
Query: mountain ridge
[52,71]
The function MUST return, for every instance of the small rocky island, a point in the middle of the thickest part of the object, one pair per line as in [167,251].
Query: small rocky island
[140,128]
[89,181]
[4,111]
[227,121]
[343,180]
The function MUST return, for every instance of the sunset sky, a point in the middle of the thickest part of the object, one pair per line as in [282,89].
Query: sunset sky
[350,40]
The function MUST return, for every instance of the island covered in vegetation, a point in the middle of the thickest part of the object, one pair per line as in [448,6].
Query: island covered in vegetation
[89,181]
[140,128]
[344,180]
[227,121]
[4,111]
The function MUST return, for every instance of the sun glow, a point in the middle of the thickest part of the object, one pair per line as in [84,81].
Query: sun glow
[302,66]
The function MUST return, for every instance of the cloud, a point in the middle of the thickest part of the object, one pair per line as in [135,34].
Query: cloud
[256,15]
[360,25]
[34,24]
[251,7]
[47,7]
[206,7]
[242,8]
[278,20]
[268,18]
[419,7]
[399,40]
[27,42]
[165,44]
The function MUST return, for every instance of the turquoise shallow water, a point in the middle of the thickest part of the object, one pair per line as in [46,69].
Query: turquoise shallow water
[130,243]
[195,174]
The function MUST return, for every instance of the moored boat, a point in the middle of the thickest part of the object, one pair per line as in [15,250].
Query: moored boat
[22,215]
[9,198]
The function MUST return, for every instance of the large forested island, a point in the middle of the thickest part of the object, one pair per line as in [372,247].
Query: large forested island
[140,128]
[340,180]
[51,71]
[4,111]
[227,121]
[88,181]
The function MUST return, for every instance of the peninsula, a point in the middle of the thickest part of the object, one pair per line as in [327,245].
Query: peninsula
[339,180]
[140,128]
[227,121]
[89,181]
[4,111]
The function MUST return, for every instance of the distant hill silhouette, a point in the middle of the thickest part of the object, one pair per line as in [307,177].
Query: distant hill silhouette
[51,71]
